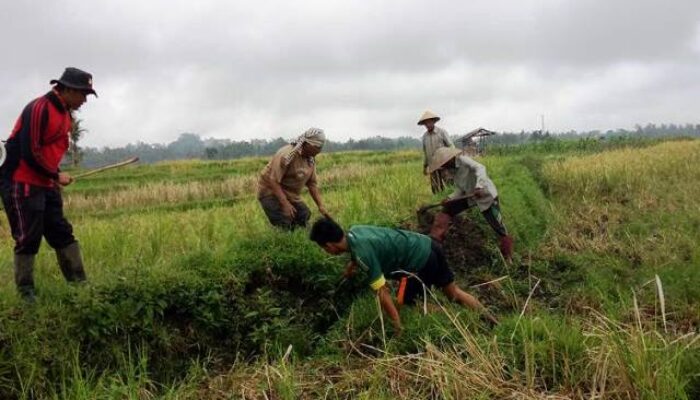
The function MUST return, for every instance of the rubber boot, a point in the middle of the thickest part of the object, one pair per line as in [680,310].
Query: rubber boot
[24,276]
[71,263]
[440,226]
[506,246]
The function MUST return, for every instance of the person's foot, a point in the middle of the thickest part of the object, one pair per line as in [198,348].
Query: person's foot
[27,294]
[505,244]
[490,318]
[486,315]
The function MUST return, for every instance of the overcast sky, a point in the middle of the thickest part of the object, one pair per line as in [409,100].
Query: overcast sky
[264,69]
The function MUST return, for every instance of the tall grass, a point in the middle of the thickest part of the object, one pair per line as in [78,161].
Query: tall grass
[194,296]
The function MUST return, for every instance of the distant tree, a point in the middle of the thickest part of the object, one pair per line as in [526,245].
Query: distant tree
[76,132]
[187,145]
[211,152]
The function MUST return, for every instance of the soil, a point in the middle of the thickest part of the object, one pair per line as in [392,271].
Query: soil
[465,242]
[469,255]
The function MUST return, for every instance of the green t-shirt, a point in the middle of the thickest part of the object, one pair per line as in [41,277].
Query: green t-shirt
[384,251]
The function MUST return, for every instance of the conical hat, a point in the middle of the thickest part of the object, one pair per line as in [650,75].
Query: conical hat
[428,115]
[441,157]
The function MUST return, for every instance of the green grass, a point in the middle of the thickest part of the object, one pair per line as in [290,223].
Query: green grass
[191,294]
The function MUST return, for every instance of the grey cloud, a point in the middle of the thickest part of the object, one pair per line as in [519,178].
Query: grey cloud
[238,70]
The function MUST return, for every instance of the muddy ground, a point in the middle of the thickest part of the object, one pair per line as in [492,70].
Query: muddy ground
[470,249]
[465,243]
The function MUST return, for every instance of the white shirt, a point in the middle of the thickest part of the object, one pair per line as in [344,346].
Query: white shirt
[471,175]
[432,141]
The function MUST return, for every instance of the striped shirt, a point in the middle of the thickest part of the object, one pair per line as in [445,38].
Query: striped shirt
[39,140]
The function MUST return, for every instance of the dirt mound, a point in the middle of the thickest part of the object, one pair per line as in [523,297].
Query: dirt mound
[470,255]
[464,245]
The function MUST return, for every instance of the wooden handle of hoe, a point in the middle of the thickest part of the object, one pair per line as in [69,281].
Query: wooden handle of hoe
[429,206]
[107,167]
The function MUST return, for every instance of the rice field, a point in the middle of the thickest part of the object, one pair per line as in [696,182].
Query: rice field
[193,295]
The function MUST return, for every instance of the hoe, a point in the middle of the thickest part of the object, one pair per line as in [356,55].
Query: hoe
[107,167]
[421,211]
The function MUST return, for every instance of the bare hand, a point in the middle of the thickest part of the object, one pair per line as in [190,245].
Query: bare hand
[397,330]
[289,210]
[323,211]
[64,179]
[350,269]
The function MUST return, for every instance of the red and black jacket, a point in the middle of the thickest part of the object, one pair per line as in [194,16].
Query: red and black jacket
[38,142]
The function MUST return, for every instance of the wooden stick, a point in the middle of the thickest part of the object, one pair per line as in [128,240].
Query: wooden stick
[429,206]
[107,167]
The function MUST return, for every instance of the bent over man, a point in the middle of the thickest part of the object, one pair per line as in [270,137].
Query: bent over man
[413,259]
[281,181]
[472,187]
[30,176]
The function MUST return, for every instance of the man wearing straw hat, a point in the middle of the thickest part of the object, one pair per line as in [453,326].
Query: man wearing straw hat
[433,139]
[281,181]
[30,180]
[472,187]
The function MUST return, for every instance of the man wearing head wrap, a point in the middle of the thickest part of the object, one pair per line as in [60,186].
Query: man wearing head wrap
[283,178]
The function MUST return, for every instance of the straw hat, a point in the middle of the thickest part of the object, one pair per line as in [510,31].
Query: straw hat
[441,157]
[428,115]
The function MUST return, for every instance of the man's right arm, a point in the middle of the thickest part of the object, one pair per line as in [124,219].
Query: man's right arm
[377,282]
[389,308]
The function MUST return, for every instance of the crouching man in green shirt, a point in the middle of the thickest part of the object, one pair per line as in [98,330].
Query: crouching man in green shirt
[395,254]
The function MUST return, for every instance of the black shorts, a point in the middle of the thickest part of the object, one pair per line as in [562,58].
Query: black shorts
[435,272]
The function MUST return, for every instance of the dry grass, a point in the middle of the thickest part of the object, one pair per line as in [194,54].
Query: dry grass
[624,361]
[599,194]
[639,178]
[175,193]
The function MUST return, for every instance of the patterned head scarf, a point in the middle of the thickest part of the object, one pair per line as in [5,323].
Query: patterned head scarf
[313,136]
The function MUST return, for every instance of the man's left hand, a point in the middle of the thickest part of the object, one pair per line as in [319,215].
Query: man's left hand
[350,269]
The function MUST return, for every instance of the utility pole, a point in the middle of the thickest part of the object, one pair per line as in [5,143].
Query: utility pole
[542,123]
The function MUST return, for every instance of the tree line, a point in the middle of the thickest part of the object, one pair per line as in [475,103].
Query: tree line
[192,146]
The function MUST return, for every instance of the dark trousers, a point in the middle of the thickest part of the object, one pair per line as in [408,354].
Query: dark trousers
[273,210]
[492,214]
[437,184]
[33,212]
[439,180]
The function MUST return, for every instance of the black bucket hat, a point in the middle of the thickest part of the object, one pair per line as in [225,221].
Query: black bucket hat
[75,78]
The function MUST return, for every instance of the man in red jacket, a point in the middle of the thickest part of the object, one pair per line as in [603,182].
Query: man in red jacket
[30,179]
